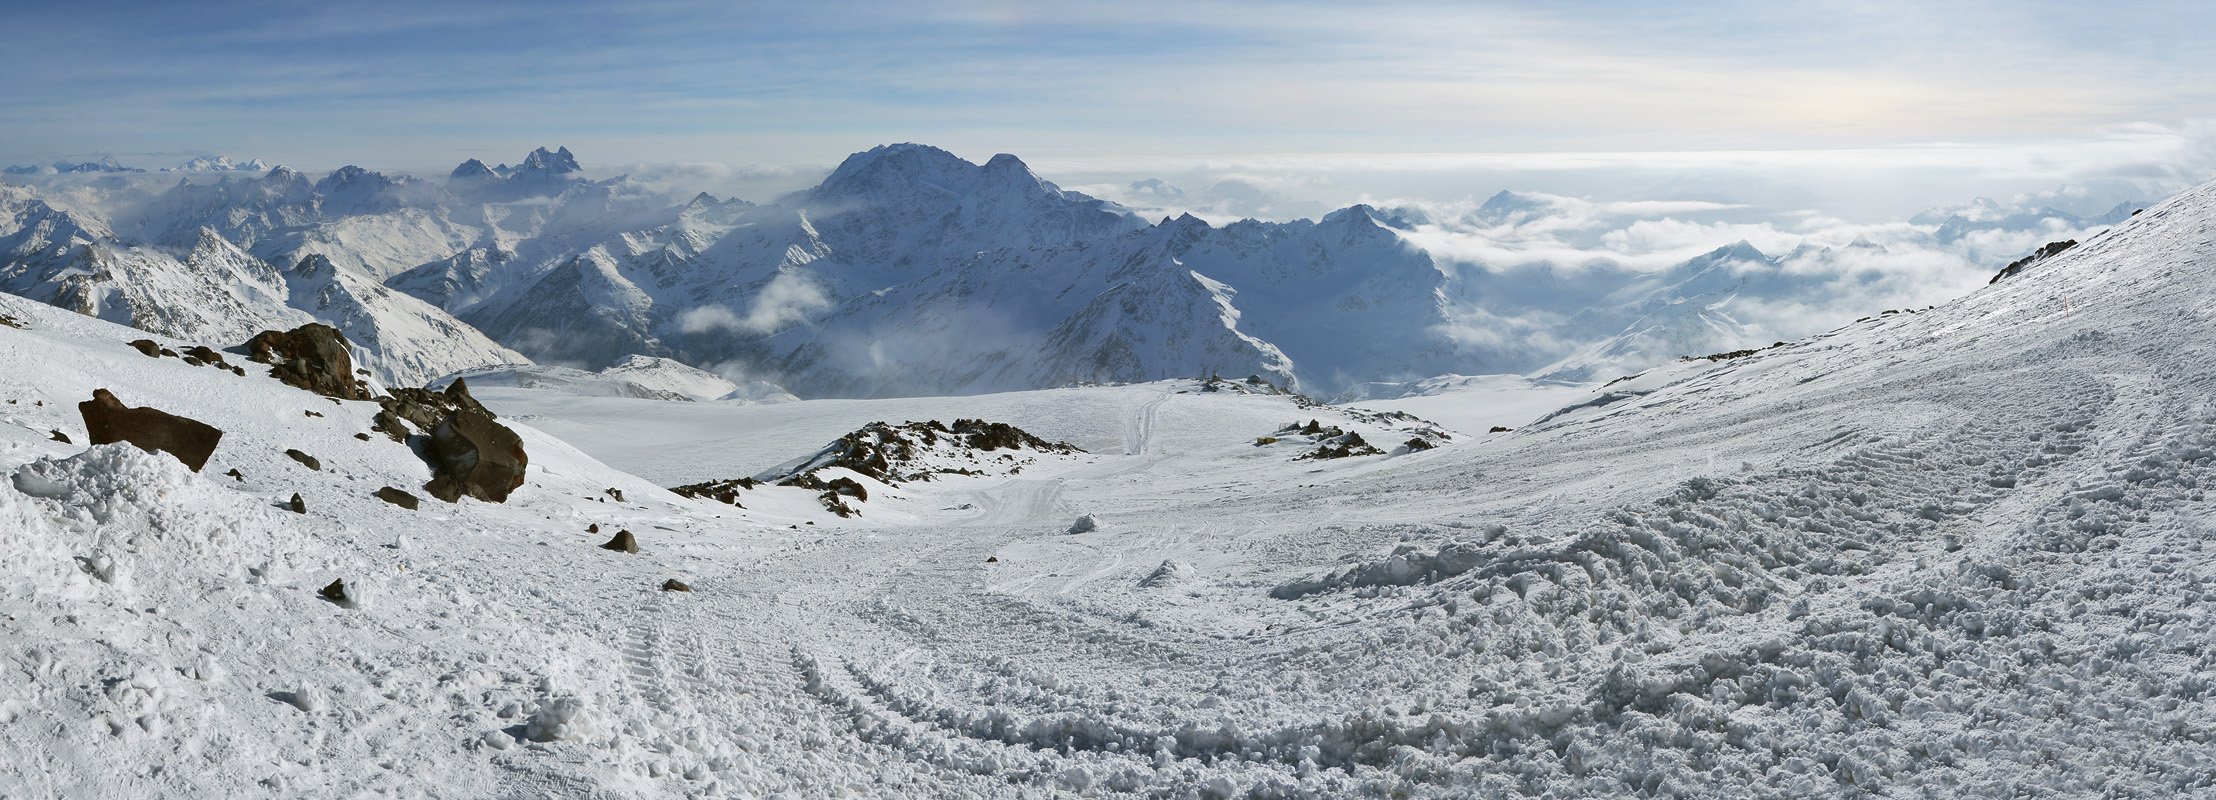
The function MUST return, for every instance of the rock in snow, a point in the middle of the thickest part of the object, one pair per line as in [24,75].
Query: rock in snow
[472,455]
[108,421]
[313,357]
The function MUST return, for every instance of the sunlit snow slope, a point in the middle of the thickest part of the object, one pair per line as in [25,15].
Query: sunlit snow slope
[1954,553]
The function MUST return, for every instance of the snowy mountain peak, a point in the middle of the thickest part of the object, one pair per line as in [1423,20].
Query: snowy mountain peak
[220,164]
[313,265]
[1505,207]
[1741,250]
[899,168]
[558,162]
[472,169]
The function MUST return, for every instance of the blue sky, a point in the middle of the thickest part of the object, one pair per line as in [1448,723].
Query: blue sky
[2030,90]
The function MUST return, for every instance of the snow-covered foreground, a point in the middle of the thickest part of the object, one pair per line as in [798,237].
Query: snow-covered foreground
[1954,553]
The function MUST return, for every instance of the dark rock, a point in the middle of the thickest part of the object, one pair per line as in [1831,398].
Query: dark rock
[612,491]
[1344,446]
[992,559]
[1418,444]
[206,355]
[425,408]
[390,425]
[623,543]
[11,321]
[1499,429]
[2051,250]
[847,486]
[398,498]
[59,437]
[305,460]
[472,455]
[107,420]
[725,491]
[362,436]
[148,347]
[236,475]
[593,528]
[336,593]
[297,505]
[311,357]
[311,413]
[835,504]
[675,585]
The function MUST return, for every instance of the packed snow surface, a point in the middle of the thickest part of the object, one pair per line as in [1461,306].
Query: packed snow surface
[1951,553]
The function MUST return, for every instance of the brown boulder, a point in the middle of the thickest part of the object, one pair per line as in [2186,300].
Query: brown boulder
[623,543]
[473,455]
[398,498]
[305,460]
[107,421]
[312,357]
[147,346]
[675,585]
[297,505]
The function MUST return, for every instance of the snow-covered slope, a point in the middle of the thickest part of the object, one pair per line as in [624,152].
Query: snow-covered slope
[1954,552]
[214,292]
[644,377]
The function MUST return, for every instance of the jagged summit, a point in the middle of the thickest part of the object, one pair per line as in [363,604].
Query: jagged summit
[558,162]
[542,173]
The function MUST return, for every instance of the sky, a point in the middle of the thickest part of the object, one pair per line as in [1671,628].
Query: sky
[1865,108]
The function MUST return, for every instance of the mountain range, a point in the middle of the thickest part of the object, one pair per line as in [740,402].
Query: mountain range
[906,271]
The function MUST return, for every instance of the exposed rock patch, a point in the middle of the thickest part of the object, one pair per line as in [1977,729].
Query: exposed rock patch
[1342,446]
[107,421]
[725,491]
[312,357]
[623,542]
[472,455]
[305,460]
[425,408]
[398,498]
[336,593]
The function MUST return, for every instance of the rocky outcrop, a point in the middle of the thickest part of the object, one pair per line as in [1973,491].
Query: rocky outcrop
[107,421]
[426,408]
[313,357]
[724,491]
[472,455]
